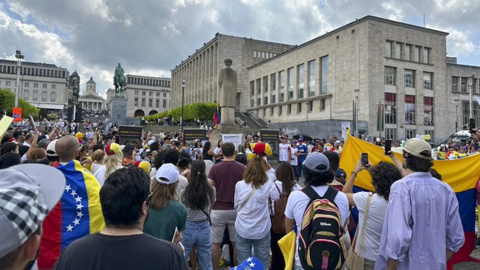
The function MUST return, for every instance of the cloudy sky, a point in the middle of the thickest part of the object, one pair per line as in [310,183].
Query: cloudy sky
[150,37]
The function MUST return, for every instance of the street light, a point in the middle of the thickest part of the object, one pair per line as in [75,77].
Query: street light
[308,108]
[183,103]
[19,57]
[470,84]
[355,131]
[456,114]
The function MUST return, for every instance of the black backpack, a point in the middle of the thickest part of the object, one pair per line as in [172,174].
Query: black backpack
[319,244]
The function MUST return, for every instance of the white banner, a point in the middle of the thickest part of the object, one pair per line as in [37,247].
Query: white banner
[345,127]
[236,139]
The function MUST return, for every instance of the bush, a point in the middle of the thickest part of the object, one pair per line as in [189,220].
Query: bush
[7,102]
[202,111]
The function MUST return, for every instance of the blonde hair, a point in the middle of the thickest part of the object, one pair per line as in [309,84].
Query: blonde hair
[113,162]
[98,156]
[38,153]
[255,173]
[161,194]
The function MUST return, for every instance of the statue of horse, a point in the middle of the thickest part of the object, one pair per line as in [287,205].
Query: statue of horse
[119,80]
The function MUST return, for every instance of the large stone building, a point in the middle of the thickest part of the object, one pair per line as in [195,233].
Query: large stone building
[310,88]
[90,100]
[42,85]
[146,95]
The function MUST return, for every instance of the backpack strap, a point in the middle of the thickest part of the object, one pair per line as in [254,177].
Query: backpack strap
[330,194]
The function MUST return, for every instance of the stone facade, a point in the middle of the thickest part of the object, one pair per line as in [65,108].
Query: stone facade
[42,85]
[145,95]
[90,100]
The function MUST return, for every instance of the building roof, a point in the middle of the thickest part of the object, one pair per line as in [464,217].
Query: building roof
[91,95]
[91,81]
[75,74]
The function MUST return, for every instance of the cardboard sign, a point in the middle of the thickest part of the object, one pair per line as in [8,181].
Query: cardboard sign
[17,114]
[193,134]
[129,134]
[4,124]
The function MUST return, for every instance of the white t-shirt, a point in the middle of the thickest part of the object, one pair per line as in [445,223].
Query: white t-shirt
[293,157]
[297,203]
[376,215]
[182,184]
[283,152]
[253,220]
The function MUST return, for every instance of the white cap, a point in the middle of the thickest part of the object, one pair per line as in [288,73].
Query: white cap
[167,174]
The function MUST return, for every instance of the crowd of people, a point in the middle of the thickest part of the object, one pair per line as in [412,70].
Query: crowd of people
[82,200]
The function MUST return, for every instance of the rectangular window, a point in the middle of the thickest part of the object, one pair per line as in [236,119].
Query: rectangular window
[398,50]
[409,110]
[54,86]
[265,84]
[454,84]
[35,95]
[7,83]
[426,55]
[252,93]
[271,111]
[150,103]
[464,85]
[409,78]
[390,75]
[289,108]
[158,94]
[281,78]
[299,108]
[157,103]
[136,93]
[391,134]
[265,100]
[300,76]
[164,104]
[290,76]
[264,112]
[53,96]
[312,65]
[259,87]
[410,133]
[428,110]
[280,108]
[416,54]
[427,80]
[324,71]
[390,108]
[27,84]
[44,95]
[150,93]
[25,94]
[388,48]
[259,101]
[136,102]
[310,106]
[143,93]
[143,102]
[408,51]
[273,88]
[322,104]
[44,86]
[164,94]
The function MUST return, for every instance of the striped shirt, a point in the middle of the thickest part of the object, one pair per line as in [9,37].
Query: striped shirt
[197,214]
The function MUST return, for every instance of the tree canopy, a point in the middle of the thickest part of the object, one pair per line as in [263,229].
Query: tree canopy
[201,111]
[7,102]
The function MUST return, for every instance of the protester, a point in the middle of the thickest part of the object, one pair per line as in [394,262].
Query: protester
[383,174]
[98,160]
[223,177]
[113,161]
[198,198]
[122,244]
[9,147]
[294,160]
[26,198]
[218,152]
[9,159]
[166,215]
[172,156]
[436,233]
[283,149]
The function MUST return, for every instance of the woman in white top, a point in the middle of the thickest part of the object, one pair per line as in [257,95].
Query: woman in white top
[113,161]
[253,223]
[218,152]
[383,174]
[98,162]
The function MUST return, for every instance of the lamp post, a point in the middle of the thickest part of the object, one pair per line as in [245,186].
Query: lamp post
[356,112]
[308,108]
[470,84]
[456,114]
[19,57]
[183,103]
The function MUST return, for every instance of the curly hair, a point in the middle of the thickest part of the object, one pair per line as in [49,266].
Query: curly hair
[384,174]
[317,178]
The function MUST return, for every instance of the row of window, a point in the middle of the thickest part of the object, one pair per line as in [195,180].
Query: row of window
[146,81]
[144,93]
[44,97]
[410,109]
[391,133]
[298,107]
[33,71]
[407,52]
[306,83]
[264,55]
[409,78]
[150,103]
[460,85]
[27,85]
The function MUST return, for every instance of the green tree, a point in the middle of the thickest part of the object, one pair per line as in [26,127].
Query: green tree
[7,102]
[202,111]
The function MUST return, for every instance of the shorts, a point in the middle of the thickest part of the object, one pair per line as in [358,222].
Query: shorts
[221,219]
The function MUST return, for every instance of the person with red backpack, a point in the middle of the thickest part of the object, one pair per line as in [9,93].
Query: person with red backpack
[314,250]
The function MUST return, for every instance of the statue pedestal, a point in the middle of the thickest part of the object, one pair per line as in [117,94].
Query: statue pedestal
[228,116]
[118,111]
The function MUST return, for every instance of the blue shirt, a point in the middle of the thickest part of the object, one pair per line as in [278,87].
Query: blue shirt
[422,221]
[303,150]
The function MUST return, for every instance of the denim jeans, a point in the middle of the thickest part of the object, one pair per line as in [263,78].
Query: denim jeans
[197,233]
[261,249]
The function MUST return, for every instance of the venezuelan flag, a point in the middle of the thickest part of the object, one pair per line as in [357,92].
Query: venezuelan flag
[76,215]
[461,174]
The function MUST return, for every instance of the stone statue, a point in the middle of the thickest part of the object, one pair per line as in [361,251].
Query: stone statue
[227,81]
[119,81]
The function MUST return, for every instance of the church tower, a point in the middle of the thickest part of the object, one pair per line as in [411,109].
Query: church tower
[91,86]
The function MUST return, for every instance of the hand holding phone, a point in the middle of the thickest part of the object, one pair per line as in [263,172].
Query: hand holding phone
[388,146]
[364,160]
[471,124]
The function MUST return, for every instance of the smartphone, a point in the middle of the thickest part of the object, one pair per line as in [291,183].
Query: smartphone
[388,146]
[364,159]
[471,124]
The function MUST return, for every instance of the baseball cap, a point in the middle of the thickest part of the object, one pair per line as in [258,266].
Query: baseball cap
[51,149]
[145,166]
[79,135]
[150,142]
[262,149]
[112,149]
[26,197]
[340,173]
[415,147]
[317,162]
[167,174]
